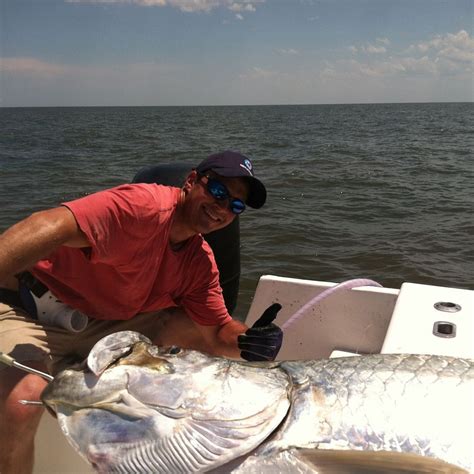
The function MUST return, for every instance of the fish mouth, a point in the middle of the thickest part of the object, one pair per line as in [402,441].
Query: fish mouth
[140,355]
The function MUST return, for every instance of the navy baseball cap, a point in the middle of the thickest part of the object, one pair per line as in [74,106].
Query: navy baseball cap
[233,164]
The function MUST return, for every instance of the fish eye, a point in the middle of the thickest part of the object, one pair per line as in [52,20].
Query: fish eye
[174,350]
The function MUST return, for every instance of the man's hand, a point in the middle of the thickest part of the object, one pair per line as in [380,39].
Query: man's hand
[263,340]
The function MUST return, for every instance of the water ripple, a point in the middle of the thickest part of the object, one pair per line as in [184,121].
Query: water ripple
[378,191]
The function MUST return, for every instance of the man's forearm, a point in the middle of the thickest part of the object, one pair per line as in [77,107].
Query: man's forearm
[33,238]
[227,338]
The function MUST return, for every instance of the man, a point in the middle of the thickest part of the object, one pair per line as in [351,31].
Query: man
[119,256]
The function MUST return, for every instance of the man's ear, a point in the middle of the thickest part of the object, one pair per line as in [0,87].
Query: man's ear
[191,179]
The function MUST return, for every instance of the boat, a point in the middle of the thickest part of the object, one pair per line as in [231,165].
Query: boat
[327,319]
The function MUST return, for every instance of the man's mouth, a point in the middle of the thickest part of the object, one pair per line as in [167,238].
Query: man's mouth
[211,214]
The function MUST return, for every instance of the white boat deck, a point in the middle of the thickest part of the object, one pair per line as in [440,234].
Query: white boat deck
[432,320]
[415,319]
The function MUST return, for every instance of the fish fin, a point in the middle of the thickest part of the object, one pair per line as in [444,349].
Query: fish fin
[184,444]
[329,461]
[193,447]
[110,348]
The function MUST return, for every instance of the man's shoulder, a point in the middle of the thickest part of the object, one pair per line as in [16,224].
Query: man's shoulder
[162,198]
[127,204]
[149,188]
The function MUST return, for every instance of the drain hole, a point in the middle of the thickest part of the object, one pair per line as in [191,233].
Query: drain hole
[444,329]
[447,306]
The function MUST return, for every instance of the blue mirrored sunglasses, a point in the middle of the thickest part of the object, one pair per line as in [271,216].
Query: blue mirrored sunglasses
[220,192]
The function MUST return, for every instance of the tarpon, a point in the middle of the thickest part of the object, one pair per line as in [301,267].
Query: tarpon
[136,407]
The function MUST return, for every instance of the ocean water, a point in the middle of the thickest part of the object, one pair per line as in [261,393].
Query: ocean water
[381,191]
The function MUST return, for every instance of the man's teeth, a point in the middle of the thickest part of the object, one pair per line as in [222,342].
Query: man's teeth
[211,214]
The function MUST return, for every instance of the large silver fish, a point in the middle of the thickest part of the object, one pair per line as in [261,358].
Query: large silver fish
[137,407]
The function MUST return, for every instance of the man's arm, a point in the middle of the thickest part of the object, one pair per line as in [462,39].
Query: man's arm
[175,327]
[216,340]
[35,237]
[222,340]
[234,339]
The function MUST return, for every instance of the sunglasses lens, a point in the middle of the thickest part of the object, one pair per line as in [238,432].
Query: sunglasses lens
[218,190]
[237,206]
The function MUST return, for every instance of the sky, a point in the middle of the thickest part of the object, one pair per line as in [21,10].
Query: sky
[234,52]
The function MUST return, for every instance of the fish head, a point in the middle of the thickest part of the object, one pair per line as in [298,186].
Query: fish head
[163,409]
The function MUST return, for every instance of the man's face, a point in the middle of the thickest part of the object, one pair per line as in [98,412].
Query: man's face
[204,212]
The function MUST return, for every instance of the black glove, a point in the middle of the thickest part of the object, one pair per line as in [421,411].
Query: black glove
[263,340]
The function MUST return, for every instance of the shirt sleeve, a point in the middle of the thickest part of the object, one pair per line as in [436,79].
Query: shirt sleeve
[204,303]
[117,221]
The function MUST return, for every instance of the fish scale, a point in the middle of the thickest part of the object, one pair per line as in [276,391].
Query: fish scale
[185,411]
[362,423]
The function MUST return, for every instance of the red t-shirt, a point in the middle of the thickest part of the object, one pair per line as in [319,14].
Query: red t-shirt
[130,267]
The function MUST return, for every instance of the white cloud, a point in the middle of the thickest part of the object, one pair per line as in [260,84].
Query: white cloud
[188,6]
[454,47]
[460,40]
[405,66]
[371,49]
[391,67]
[37,69]
[384,41]
[259,73]
[456,54]
[448,54]
[29,81]
[389,79]
[32,67]
[442,64]
[368,48]
[240,7]
[288,52]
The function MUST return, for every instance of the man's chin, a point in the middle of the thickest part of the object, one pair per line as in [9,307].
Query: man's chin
[211,227]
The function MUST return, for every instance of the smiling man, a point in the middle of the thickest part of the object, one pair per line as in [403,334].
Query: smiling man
[131,257]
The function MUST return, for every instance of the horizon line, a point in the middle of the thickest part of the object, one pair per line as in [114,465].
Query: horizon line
[237,105]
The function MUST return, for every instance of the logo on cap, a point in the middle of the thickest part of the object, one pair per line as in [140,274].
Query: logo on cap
[248,164]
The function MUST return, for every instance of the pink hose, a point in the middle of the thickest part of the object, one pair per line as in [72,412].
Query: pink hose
[345,285]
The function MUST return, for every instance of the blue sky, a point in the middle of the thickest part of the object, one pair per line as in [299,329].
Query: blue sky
[225,52]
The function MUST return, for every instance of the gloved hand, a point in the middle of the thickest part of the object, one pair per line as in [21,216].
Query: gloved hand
[263,340]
